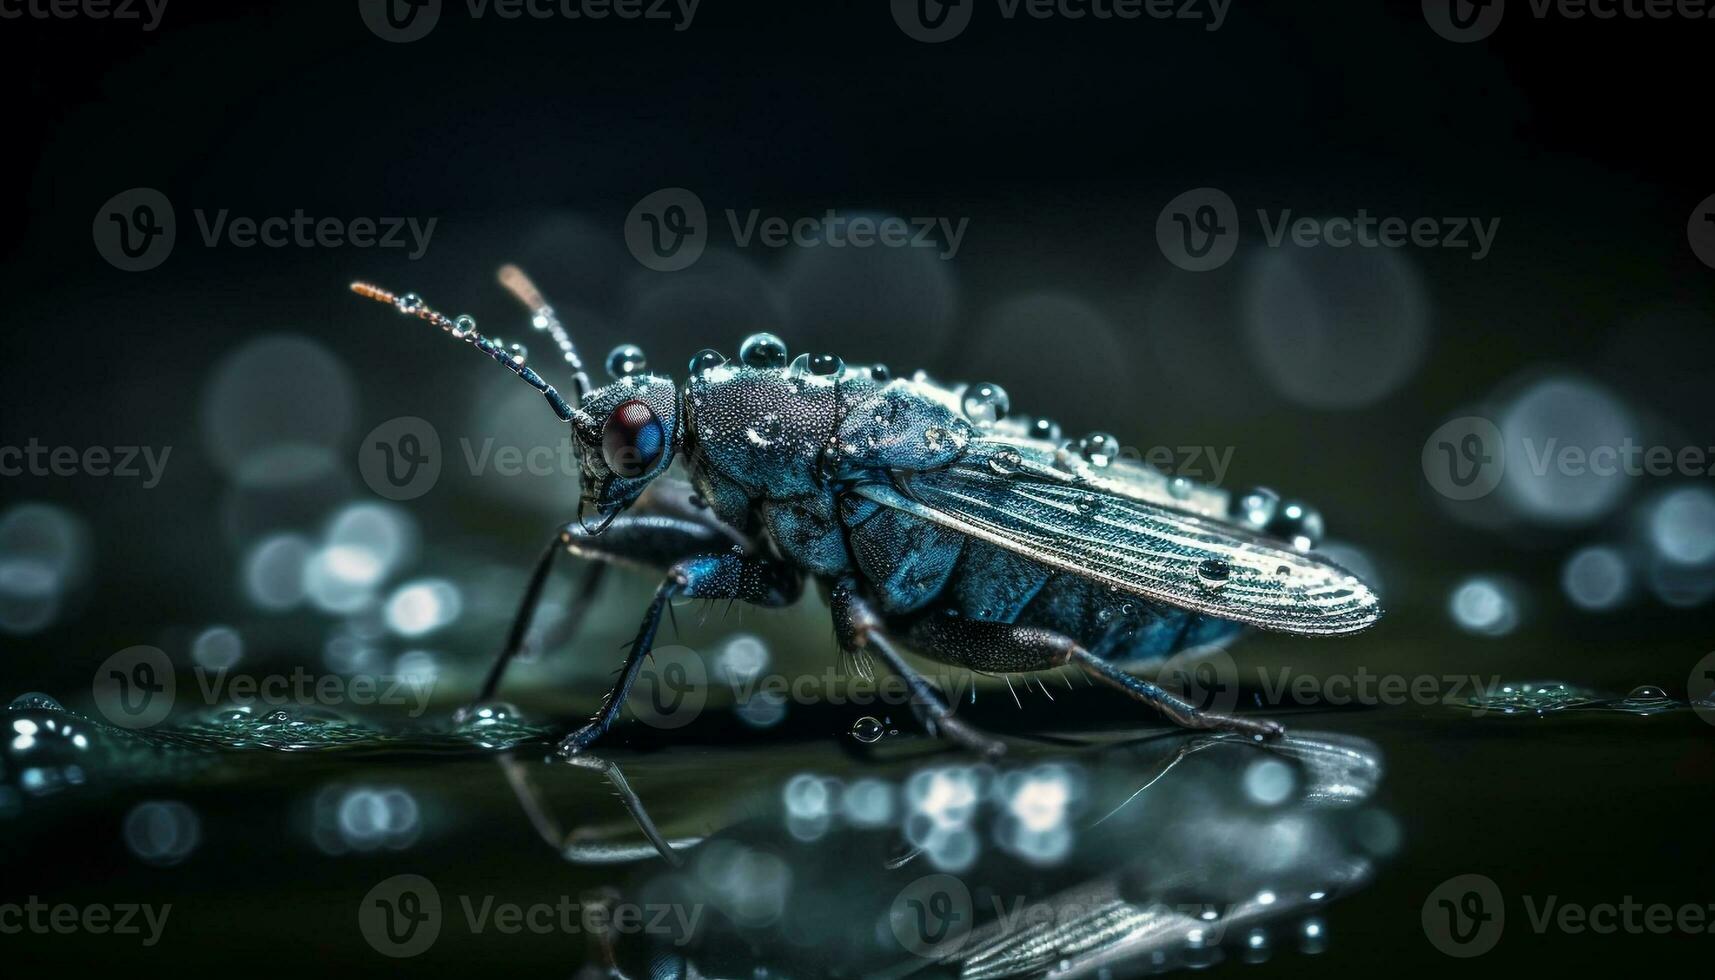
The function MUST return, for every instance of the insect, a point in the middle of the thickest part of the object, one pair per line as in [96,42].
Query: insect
[931,516]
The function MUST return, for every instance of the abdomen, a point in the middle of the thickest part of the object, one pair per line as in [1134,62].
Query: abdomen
[913,565]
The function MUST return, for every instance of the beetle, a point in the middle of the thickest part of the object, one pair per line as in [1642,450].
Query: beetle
[931,516]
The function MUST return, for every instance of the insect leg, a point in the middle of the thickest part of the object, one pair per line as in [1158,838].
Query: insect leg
[527,611]
[860,630]
[1007,647]
[652,541]
[730,575]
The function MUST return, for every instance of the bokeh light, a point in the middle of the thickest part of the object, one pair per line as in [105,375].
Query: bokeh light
[1550,431]
[1336,328]
[423,606]
[1485,606]
[1596,578]
[43,550]
[217,648]
[277,411]
[162,832]
[1682,526]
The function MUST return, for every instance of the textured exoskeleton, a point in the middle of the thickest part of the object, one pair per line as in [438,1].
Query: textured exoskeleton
[926,512]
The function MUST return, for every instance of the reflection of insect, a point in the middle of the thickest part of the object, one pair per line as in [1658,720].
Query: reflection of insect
[926,512]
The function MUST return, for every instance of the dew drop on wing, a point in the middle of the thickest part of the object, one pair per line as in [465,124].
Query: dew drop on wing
[1213,573]
[1179,488]
[1098,449]
[763,350]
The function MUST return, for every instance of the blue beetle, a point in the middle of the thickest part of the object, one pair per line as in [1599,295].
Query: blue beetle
[929,514]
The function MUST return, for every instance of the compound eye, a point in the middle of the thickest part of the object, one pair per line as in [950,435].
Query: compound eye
[632,439]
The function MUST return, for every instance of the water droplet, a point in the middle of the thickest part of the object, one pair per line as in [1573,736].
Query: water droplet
[518,352]
[881,373]
[626,360]
[1045,429]
[408,303]
[1006,462]
[986,403]
[1098,448]
[34,700]
[826,364]
[1089,503]
[1647,692]
[463,326]
[1297,523]
[763,350]
[1213,573]
[1179,488]
[706,359]
[868,729]
[1256,507]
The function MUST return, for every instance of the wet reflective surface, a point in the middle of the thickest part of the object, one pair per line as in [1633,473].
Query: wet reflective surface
[467,843]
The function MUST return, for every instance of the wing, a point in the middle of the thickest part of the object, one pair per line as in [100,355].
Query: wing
[1012,494]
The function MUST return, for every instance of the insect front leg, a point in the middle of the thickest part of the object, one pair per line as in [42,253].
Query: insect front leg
[664,529]
[733,574]
[1007,648]
[861,630]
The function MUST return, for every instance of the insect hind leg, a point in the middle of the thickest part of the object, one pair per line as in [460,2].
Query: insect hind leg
[1008,648]
[862,631]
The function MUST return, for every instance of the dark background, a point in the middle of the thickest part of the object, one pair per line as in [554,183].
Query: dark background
[1060,141]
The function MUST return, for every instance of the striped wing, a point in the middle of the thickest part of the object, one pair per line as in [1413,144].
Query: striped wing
[1183,559]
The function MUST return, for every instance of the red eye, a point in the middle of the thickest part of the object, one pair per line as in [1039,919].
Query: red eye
[632,438]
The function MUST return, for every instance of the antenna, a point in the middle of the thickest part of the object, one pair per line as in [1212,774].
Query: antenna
[542,317]
[464,328]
